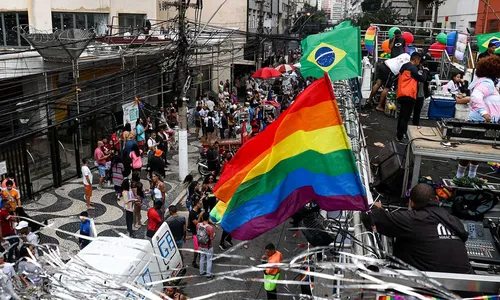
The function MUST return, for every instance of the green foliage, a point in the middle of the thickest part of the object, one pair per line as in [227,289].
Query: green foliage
[318,16]
[384,15]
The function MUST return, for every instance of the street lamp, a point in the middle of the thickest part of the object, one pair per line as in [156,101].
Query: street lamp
[307,14]
[304,24]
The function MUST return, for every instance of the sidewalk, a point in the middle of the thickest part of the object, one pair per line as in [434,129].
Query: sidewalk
[62,207]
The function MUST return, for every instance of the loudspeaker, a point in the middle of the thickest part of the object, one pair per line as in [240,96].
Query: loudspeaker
[391,170]
[316,237]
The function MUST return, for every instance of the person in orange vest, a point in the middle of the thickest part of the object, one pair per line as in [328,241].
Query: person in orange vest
[409,76]
[273,257]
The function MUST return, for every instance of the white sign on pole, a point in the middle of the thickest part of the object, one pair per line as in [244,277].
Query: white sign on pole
[130,113]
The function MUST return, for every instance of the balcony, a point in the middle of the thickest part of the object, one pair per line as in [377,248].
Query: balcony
[426,15]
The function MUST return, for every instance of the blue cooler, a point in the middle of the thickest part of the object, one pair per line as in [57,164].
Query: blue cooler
[441,106]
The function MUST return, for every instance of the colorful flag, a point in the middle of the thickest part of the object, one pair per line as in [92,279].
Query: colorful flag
[336,52]
[484,39]
[304,155]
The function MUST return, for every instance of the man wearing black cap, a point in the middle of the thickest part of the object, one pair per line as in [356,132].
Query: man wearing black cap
[491,50]
[427,237]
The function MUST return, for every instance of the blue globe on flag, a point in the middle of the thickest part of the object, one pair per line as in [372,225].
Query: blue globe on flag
[324,57]
[495,41]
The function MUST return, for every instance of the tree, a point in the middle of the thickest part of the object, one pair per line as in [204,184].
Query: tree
[374,12]
[371,5]
[318,16]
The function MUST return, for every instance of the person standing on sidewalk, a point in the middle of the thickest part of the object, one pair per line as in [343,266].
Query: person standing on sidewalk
[177,225]
[154,219]
[7,231]
[205,235]
[128,203]
[140,133]
[273,273]
[84,229]
[100,161]
[87,182]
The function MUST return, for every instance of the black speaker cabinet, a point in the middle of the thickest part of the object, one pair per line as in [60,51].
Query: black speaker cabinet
[319,237]
[391,170]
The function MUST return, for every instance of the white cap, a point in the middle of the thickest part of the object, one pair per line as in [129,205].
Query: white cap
[21,225]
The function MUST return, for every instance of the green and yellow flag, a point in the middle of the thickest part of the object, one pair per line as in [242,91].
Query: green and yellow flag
[484,39]
[337,52]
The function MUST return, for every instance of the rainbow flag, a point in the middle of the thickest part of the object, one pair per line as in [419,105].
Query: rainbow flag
[304,155]
[370,38]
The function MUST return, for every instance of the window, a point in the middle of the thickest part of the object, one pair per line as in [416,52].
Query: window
[453,25]
[10,28]
[493,25]
[128,21]
[87,21]
[472,25]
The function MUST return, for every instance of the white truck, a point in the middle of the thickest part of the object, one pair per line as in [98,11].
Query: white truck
[120,268]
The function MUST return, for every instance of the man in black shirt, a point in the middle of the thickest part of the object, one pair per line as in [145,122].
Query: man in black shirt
[177,225]
[213,158]
[397,44]
[427,237]
[491,50]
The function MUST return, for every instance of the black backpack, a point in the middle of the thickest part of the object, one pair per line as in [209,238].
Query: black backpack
[210,125]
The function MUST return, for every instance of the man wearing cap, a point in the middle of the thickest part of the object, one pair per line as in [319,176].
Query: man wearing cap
[492,46]
[27,237]
[157,164]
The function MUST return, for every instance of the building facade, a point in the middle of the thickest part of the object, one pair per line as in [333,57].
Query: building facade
[353,8]
[52,15]
[487,20]
[461,14]
[337,12]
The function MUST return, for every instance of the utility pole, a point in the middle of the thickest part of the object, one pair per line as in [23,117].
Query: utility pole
[184,80]
[260,33]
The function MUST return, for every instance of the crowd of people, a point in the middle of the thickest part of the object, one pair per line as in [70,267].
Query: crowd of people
[18,240]
[256,102]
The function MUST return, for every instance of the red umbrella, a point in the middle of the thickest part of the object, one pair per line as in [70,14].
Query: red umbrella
[285,68]
[266,73]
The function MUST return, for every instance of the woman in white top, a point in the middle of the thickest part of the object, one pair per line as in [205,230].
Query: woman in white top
[129,200]
[158,189]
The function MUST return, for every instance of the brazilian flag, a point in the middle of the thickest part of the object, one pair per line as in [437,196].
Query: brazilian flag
[336,52]
[484,39]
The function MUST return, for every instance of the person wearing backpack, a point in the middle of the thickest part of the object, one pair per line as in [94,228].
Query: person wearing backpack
[210,124]
[205,235]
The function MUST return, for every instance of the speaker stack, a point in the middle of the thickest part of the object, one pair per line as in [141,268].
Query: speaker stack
[390,170]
